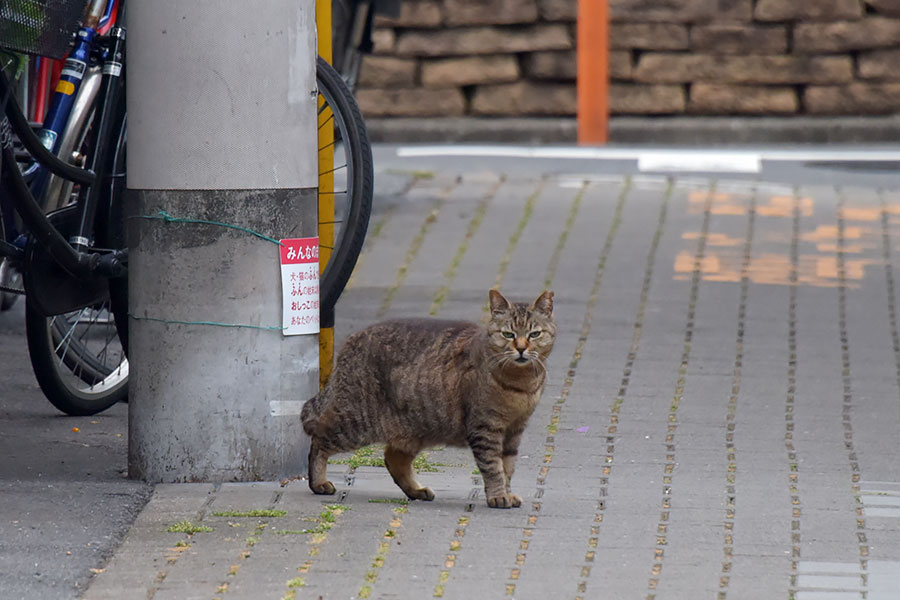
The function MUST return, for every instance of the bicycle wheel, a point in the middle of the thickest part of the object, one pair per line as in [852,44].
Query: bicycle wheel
[77,359]
[351,166]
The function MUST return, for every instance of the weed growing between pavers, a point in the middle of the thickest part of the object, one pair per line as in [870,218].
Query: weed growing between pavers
[564,236]
[402,501]
[415,174]
[552,428]
[188,528]
[326,520]
[384,547]
[250,513]
[732,408]
[253,539]
[244,555]
[453,268]
[413,250]
[450,562]
[373,456]
[513,242]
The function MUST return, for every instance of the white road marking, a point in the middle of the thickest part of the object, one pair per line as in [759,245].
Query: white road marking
[668,159]
[708,162]
[845,581]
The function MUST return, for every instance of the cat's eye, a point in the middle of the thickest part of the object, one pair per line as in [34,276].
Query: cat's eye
[508,334]
[535,334]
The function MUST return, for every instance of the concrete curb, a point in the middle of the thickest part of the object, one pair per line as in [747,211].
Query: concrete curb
[643,130]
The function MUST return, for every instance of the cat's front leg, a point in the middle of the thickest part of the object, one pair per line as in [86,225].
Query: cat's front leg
[487,448]
[510,453]
[318,461]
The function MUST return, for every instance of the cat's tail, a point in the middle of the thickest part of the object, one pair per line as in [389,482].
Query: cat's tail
[310,414]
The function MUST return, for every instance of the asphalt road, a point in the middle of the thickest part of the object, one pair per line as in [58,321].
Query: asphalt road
[64,501]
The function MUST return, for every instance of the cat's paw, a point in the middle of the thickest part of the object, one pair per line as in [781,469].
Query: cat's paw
[422,493]
[326,488]
[504,501]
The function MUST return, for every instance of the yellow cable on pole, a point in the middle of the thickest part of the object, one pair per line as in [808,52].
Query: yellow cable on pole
[326,187]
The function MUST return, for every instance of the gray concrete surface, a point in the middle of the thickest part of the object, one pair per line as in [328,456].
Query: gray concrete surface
[64,501]
[720,420]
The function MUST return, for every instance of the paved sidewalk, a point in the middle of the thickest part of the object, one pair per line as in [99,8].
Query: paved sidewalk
[721,419]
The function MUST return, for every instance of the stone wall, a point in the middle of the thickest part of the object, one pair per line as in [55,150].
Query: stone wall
[667,57]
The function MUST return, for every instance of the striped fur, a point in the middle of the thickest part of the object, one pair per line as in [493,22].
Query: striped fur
[415,383]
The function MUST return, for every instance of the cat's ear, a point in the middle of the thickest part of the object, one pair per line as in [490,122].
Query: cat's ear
[499,304]
[544,303]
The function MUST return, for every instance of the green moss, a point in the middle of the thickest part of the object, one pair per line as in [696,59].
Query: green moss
[250,513]
[188,528]
[367,456]
[402,501]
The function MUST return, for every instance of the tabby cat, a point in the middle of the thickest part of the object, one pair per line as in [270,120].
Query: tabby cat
[415,383]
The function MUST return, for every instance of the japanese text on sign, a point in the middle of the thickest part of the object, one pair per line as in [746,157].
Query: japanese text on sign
[300,285]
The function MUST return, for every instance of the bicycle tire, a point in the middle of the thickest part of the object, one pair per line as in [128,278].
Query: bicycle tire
[360,183]
[73,377]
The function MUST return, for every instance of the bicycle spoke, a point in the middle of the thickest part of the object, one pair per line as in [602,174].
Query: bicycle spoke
[344,166]
[65,338]
[91,320]
[330,118]
[328,145]
[330,222]
[65,341]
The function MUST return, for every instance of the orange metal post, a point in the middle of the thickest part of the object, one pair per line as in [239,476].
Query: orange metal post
[593,71]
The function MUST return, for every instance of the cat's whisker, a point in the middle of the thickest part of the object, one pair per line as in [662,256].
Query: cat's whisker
[495,361]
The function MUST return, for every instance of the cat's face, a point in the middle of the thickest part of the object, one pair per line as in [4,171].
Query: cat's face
[521,335]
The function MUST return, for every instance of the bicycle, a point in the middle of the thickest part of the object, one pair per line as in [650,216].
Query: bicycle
[75,236]
[352,33]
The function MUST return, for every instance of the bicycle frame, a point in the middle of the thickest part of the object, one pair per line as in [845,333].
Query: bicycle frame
[74,255]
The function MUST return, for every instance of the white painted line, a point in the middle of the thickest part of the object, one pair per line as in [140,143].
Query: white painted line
[826,595]
[285,408]
[570,152]
[884,580]
[714,162]
[877,511]
[830,582]
[635,153]
[827,568]
[875,486]
[879,500]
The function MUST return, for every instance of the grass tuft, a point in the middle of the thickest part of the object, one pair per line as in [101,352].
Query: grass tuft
[188,528]
[250,513]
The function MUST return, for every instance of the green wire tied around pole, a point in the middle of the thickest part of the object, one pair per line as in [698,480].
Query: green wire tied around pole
[212,323]
[164,216]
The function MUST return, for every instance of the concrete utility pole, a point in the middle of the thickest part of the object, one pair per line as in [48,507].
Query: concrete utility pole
[222,128]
